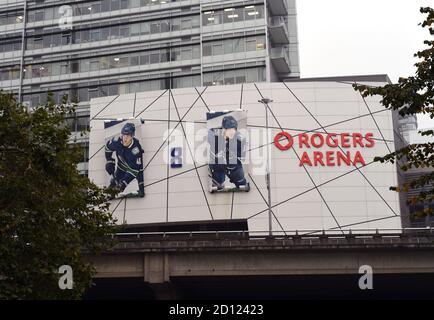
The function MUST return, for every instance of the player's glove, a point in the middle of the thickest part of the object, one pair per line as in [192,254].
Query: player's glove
[110,168]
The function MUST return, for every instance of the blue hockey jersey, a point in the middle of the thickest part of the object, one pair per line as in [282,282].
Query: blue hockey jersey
[130,159]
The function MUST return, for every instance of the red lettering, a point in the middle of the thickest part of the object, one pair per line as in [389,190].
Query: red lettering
[303,139]
[279,137]
[313,140]
[345,141]
[330,160]
[343,157]
[305,160]
[317,158]
[371,141]
[358,158]
[358,140]
[331,140]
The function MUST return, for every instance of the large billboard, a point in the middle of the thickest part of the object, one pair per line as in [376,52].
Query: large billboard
[227,149]
[227,152]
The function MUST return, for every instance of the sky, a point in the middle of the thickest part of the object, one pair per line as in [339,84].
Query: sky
[338,38]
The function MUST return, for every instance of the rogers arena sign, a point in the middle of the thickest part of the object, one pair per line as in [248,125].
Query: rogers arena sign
[284,141]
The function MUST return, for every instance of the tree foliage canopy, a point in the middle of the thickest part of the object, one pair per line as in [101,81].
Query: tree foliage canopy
[49,213]
[411,96]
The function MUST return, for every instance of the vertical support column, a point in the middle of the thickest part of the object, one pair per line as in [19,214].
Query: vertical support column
[156,272]
[201,43]
[156,268]
[23,48]
[268,44]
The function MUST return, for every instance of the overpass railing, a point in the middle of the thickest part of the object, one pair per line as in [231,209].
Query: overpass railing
[287,234]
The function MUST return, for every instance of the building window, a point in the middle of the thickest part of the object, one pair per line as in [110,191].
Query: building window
[207,49]
[94,65]
[105,33]
[116,61]
[217,48]
[175,54]
[155,57]
[114,32]
[114,5]
[165,25]
[155,27]
[135,61]
[228,43]
[124,31]
[186,23]
[37,43]
[186,53]
[144,58]
[124,4]
[232,14]
[94,35]
[66,38]
[105,5]
[93,93]
[234,76]
[176,24]
[239,45]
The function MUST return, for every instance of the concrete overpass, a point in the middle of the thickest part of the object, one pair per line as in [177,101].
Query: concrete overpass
[224,264]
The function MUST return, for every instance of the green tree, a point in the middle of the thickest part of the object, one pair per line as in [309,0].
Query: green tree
[411,96]
[49,213]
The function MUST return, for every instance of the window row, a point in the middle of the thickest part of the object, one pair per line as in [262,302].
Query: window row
[77,123]
[11,18]
[234,76]
[10,45]
[237,45]
[87,8]
[112,62]
[103,90]
[113,32]
[10,73]
[230,15]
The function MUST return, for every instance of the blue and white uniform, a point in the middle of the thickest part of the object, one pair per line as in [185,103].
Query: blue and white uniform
[227,157]
[129,164]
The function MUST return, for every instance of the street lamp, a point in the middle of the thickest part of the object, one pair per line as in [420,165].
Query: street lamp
[265,102]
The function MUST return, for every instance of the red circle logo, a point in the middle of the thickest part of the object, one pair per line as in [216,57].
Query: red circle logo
[278,138]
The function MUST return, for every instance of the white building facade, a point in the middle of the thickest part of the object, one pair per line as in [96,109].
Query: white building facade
[326,180]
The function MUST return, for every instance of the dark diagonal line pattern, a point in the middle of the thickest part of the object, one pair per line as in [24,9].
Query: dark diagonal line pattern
[104,107]
[192,156]
[320,129]
[308,131]
[308,190]
[149,105]
[304,131]
[340,148]
[201,98]
[266,202]
[174,128]
[304,167]
[376,123]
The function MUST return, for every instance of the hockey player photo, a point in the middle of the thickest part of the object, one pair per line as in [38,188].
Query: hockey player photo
[227,151]
[128,165]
